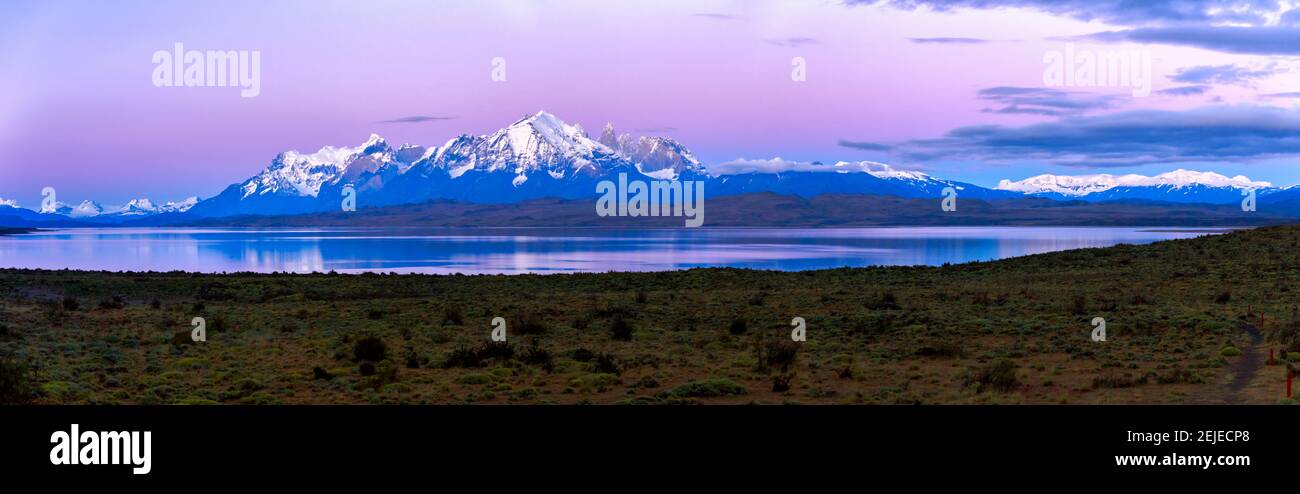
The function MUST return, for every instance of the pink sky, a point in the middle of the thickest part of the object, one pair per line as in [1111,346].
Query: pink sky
[78,110]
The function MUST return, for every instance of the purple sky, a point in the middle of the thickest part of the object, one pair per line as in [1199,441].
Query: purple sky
[78,110]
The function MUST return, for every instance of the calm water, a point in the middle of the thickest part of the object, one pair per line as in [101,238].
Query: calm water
[542,250]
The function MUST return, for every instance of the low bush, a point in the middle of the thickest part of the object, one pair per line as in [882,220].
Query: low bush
[707,388]
[998,376]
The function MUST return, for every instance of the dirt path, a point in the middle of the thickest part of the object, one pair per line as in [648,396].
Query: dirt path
[1244,369]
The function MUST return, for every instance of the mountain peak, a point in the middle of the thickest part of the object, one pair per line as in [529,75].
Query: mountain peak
[375,144]
[1180,185]
[87,208]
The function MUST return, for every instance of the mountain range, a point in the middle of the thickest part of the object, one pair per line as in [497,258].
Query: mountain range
[541,157]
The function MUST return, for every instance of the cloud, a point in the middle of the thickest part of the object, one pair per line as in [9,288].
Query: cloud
[1045,101]
[792,42]
[773,165]
[1239,133]
[1262,27]
[1122,12]
[417,119]
[1280,95]
[779,165]
[865,146]
[1222,74]
[1184,90]
[717,17]
[948,41]
[1271,40]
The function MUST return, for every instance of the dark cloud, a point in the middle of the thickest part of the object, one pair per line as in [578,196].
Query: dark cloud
[1233,26]
[1221,74]
[949,41]
[793,42]
[865,146]
[416,119]
[1275,40]
[1122,12]
[1184,90]
[1045,101]
[1238,133]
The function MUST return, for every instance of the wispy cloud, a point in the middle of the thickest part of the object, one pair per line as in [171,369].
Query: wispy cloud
[1262,27]
[1272,40]
[793,42]
[949,41]
[865,146]
[779,165]
[1184,90]
[416,119]
[1294,94]
[1217,133]
[1123,12]
[1045,101]
[1223,74]
[717,16]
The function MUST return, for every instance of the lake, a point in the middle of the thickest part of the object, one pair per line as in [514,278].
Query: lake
[544,250]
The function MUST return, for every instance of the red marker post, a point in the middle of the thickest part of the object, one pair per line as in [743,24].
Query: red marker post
[1289,375]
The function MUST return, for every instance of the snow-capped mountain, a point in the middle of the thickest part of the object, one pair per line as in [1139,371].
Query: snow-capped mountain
[58,208]
[537,156]
[863,177]
[87,209]
[659,157]
[145,207]
[1185,186]
[180,206]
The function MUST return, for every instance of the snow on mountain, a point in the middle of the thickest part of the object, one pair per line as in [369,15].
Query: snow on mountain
[538,142]
[863,177]
[880,170]
[87,209]
[8,202]
[1080,186]
[297,174]
[658,157]
[180,206]
[59,207]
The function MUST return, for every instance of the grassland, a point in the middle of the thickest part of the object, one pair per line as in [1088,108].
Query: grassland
[1182,320]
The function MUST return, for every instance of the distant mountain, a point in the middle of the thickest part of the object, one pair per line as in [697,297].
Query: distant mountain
[864,177]
[540,156]
[12,216]
[87,208]
[534,157]
[1180,186]
[537,156]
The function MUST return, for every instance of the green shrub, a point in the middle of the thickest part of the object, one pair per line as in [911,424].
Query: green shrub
[452,316]
[527,322]
[620,329]
[1230,351]
[707,388]
[475,379]
[738,326]
[15,382]
[999,376]
[370,348]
